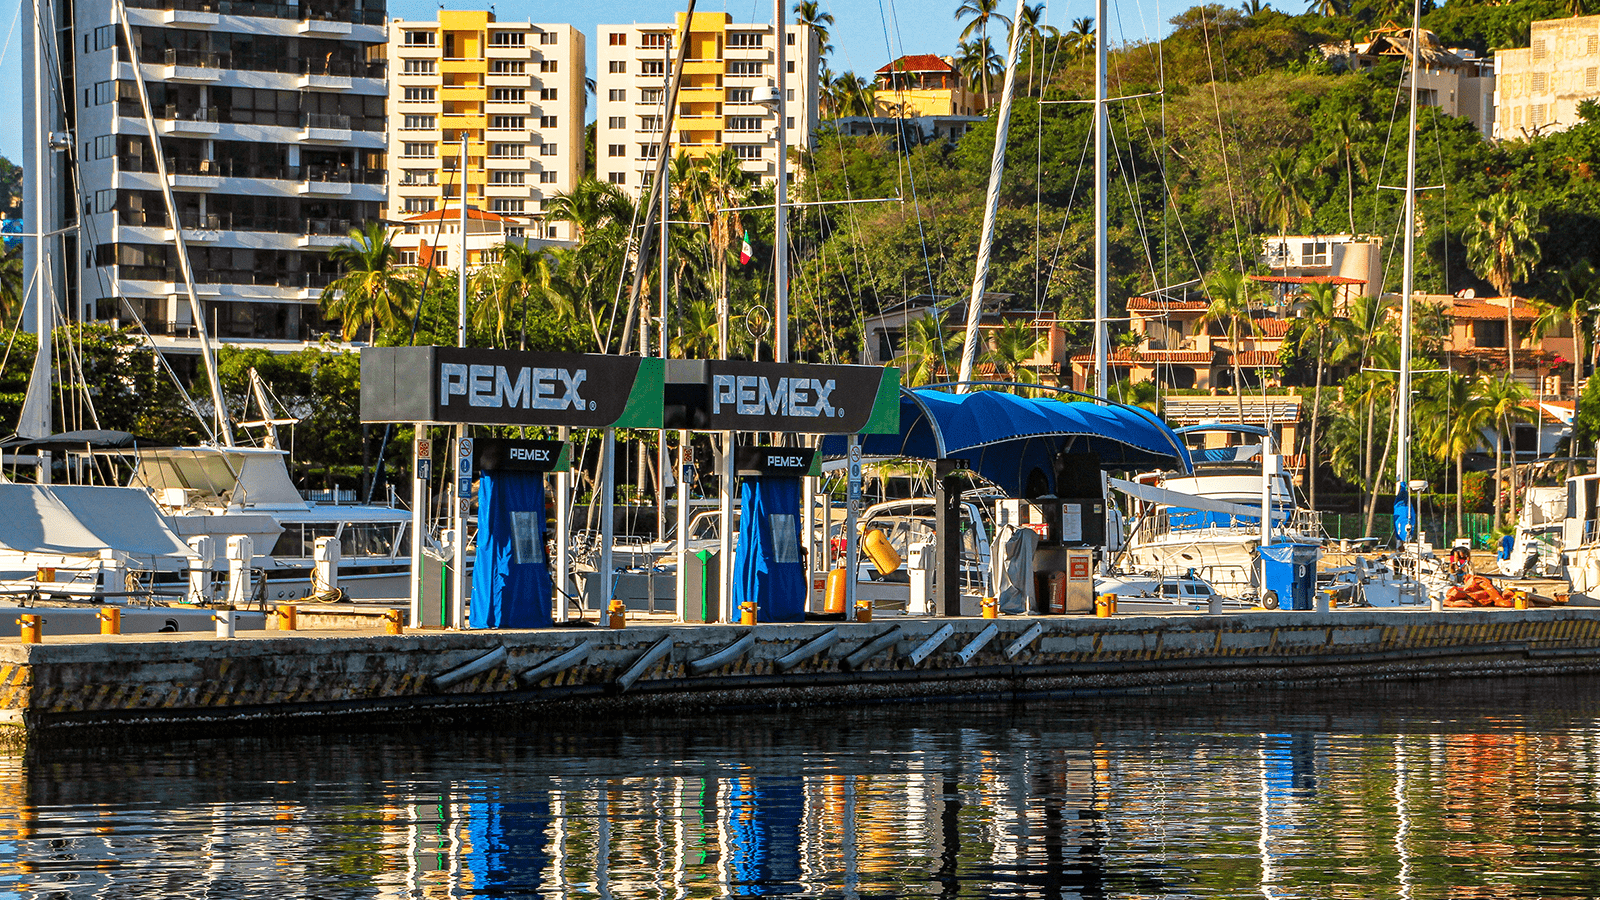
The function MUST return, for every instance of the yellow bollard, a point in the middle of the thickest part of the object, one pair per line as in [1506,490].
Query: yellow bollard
[863,610]
[833,598]
[747,613]
[1519,600]
[990,607]
[617,614]
[392,622]
[286,618]
[110,620]
[32,629]
[1105,606]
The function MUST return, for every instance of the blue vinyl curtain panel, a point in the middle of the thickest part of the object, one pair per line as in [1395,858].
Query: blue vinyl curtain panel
[510,578]
[766,565]
[1005,438]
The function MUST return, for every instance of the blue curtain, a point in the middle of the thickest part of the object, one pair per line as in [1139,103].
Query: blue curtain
[766,564]
[510,578]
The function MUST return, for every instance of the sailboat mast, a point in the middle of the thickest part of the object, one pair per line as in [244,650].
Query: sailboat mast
[1102,255]
[37,417]
[1403,457]
[991,208]
[461,278]
[780,292]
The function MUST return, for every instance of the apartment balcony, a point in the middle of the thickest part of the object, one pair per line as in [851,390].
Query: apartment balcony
[324,26]
[324,128]
[189,18]
[456,65]
[193,66]
[198,121]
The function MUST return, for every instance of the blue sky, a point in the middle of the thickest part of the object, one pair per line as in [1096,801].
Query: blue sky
[865,34]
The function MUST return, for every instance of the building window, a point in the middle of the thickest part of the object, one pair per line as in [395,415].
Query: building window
[419,67]
[617,95]
[616,150]
[548,149]
[617,66]
[1539,82]
[789,95]
[419,204]
[617,122]
[547,178]
[547,121]
[1594,45]
[650,95]
[507,123]
[650,123]
[508,39]
[405,257]
[1314,253]
[656,40]
[744,123]
[105,146]
[744,39]
[788,121]
[504,177]
[507,67]
[747,151]
[547,38]
[653,67]
[548,65]
[552,232]
[507,151]
[617,177]
[1489,333]
[649,151]
[1591,77]
[618,39]
[106,36]
[417,123]
[741,95]
[548,94]
[420,39]
[789,67]
[417,176]
[506,205]
[417,95]
[744,67]
[1538,48]
[508,95]
[416,151]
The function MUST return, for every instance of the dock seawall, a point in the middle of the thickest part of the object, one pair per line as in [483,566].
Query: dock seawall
[92,689]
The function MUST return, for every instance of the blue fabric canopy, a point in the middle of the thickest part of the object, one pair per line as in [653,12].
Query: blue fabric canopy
[1006,438]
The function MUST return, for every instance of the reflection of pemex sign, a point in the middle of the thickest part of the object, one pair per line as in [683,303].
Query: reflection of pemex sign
[795,397]
[448,385]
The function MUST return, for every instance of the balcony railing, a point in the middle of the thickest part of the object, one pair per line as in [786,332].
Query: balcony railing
[193,114]
[260,62]
[225,168]
[293,11]
[333,121]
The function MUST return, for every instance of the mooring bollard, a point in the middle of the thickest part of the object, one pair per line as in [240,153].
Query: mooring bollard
[32,628]
[747,613]
[863,610]
[616,614]
[110,620]
[1519,600]
[990,607]
[1324,601]
[1105,606]
[224,620]
[392,622]
[286,618]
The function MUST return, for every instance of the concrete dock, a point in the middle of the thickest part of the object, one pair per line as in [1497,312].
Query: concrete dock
[93,688]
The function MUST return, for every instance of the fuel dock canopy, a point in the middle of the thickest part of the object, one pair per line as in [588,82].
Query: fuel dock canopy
[1012,441]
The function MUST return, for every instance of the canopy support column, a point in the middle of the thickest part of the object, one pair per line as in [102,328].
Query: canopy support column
[947,529]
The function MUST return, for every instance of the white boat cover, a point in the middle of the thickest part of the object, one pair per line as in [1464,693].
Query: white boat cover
[1152,494]
[82,520]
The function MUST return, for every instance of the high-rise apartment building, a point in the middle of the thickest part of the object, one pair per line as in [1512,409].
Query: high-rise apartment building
[730,72]
[1538,87]
[515,90]
[270,119]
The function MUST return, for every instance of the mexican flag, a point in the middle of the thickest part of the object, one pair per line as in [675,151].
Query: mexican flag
[744,251]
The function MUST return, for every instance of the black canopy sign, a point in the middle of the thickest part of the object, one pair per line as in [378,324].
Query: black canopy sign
[727,395]
[794,461]
[449,385]
[504,455]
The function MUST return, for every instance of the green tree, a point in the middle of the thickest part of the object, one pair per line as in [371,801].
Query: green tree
[1350,132]
[521,273]
[1505,401]
[1503,248]
[980,12]
[1577,289]
[11,287]
[809,12]
[1453,418]
[928,348]
[977,61]
[1319,330]
[374,291]
[1080,36]
[1230,307]
[1013,344]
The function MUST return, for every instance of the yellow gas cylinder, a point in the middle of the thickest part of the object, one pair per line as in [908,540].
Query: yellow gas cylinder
[833,597]
[990,607]
[616,614]
[1106,606]
[747,613]
[877,549]
[32,628]
[863,610]
[110,620]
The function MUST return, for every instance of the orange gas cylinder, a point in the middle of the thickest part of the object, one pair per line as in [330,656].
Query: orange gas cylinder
[833,599]
[877,548]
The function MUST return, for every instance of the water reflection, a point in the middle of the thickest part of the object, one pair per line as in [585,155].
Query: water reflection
[1447,789]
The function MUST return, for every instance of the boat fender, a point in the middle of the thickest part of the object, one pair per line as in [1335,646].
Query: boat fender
[724,656]
[872,648]
[645,661]
[878,549]
[462,672]
[965,654]
[1022,642]
[934,642]
[575,657]
[807,650]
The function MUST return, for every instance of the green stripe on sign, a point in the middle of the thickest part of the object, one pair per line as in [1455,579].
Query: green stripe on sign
[886,406]
[647,397]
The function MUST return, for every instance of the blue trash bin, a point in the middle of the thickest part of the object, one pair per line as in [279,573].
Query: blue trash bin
[1291,573]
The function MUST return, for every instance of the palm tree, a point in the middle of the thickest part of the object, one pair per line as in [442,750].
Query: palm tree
[1349,132]
[981,11]
[592,204]
[1015,343]
[1329,8]
[808,12]
[1080,37]
[1230,306]
[723,185]
[977,60]
[1577,287]
[1505,401]
[521,273]
[928,347]
[1453,418]
[1253,7]
[1283,203]
[374,290]
[1321,330]
[852,95]
[698,329]
[11,289]
[1503,248]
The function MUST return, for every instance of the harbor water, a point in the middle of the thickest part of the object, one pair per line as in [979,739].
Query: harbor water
[1450,788]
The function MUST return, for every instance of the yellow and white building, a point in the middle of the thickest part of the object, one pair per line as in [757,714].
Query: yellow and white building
[514,89]
[730,70]
[1538,87]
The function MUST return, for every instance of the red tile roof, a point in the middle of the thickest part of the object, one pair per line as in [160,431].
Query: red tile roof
[1306,279]
[454,212]
[1258,359]
[919,62]
[1483,309]
[1273,328]
[1157,305]
[1127,357]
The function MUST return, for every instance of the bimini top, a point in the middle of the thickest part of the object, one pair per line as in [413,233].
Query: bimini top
[1012,440]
